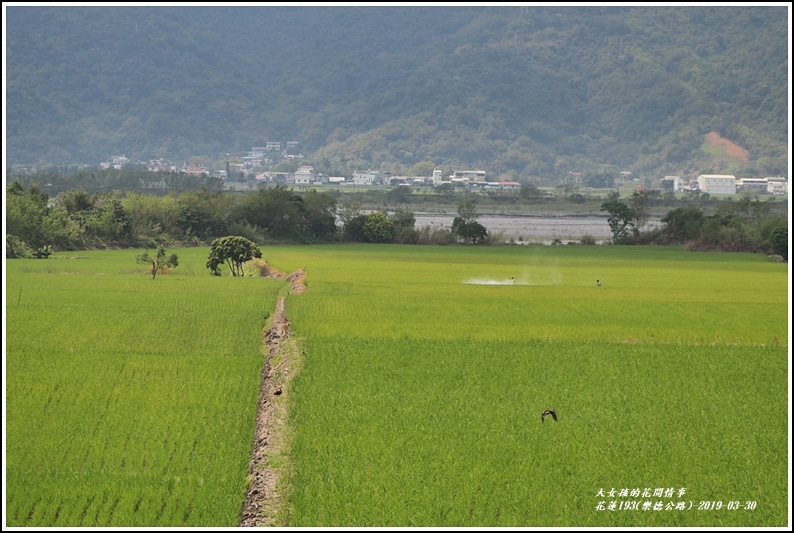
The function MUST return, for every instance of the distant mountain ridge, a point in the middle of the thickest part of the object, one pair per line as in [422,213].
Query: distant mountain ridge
[532,90]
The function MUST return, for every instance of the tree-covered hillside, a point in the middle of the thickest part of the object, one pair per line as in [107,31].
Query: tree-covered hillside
[535,90]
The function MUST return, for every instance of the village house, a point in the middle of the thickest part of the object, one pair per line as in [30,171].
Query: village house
[116,161]
[159,165]
[368,177]
[437,177]
[195,171]
[468,175]
[757,185]
[304,175]
[777,185]
[672,183]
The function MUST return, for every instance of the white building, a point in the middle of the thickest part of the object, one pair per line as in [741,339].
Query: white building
[116,161]
[369,177]
[778,185]
[717,183]
[470,175]
[304,175]
[437,177]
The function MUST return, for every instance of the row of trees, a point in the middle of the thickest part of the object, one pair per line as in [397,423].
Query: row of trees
[75,219]
[743,225]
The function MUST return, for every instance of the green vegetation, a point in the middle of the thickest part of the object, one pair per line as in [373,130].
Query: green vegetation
[75,219]
[159,261]
[515,90]
[129,403]
[425,374]
[743,225]
[465,225]
[423,377]
[234,251]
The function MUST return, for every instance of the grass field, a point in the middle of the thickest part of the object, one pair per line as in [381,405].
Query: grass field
[426,372]
[131,401]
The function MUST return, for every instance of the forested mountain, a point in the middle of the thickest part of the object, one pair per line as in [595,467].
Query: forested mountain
[535,90]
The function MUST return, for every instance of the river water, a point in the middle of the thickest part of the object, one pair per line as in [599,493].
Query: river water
[534,228]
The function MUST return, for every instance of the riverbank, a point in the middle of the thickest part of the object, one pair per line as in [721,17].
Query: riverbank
[534,228]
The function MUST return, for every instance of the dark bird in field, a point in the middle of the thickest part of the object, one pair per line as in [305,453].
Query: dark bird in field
[278,391]
[551,412]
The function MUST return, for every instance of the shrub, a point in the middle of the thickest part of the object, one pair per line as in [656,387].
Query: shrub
[378,228]
[779,242]
[17,248]
[430,235]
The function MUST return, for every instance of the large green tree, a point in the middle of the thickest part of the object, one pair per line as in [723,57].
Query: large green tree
[640,211]
[618,220]
[683,223]
[318,216]
[234,251]
[26,209]
[276,210]
[465,225]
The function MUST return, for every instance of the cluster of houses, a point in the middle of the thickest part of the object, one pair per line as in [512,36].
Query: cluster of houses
[158,165]
[725,184]
[257,156]
[307,176]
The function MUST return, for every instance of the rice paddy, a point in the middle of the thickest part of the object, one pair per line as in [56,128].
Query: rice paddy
[130,401]
[420,398]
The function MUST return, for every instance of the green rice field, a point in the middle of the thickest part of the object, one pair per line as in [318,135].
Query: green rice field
[129,401]
[424,372]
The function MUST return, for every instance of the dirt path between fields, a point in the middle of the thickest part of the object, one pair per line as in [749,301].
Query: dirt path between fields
[263,503]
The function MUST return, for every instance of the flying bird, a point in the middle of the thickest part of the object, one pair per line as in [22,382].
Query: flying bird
[551,412]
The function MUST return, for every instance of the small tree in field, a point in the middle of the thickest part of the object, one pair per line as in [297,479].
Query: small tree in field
[234,251]
[159,261]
